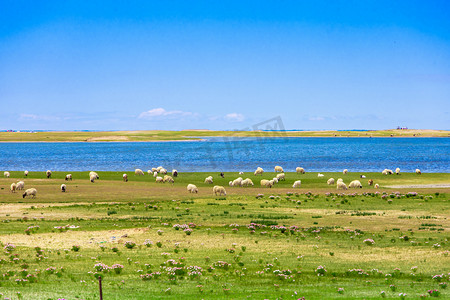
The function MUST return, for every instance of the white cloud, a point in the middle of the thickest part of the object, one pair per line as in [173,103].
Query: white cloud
[234,117]
[33,117]
[161,113]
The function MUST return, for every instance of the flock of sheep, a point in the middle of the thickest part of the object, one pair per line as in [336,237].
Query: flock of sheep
[217,190]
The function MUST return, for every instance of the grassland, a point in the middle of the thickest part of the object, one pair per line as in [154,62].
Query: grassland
[296,231]
[161,135]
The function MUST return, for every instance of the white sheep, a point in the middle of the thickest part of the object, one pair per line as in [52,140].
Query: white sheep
[6,174]
[236,182]
[30,192]
[300,170]
[92,177]
[266,183]
[20,185]
[397,171]
[163,171]
[48,173]
[125,177]
[63,187]
[341,185]
[362,176]
[138,172]
[159,179]
[92,173]
[330,181]
[13,187]
[174,173]
[247,182]
[418,172]
[387,172]
[68,177]
[376,185]
[345,171]
[278,169]
[168,178]
[281,176]
[297,184]
[355,184]
[209,180]
[339,180]
[149,172]
[241,173]
[275,180]
[259,171]
[25,173]
[155,174]
[219,189]
[154,170]
[158,169]
[192,188]
[320,175]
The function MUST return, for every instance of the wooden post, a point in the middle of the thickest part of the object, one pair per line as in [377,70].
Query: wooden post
[100,287]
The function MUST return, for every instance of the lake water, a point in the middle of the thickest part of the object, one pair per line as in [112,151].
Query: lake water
[234,154]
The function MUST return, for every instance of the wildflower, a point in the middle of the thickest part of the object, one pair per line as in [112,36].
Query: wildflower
[130,244]
[369,242]
[340,290]
[321,271]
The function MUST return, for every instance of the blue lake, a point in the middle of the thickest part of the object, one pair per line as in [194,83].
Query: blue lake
[234,154]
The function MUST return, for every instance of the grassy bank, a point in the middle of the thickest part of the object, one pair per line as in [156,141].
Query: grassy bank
[220,257]
[158,135]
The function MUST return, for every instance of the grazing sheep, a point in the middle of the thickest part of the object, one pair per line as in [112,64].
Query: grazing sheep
[174,173]
[241,173]
[219,189]
[159,179]
[92,177]
[237,182]
[163,171]
[397,171]
[300,170]
[13,187]
[370,182]
[259,171]
[222,175]
[387,172]
[418,172]
[209,179]
[6,174]
[125,177]
[63,188]
[339,180]
[266,183]
[281,176]
[149,172]
[154,170]
[138,172]
[30,192]
[158,169]
[341,185]
[68,177]
[275,180]
[25,173]
[20,185]
[345,171]
[278,169]
[297,184]
[155,174]
[247,182]
[168,178]
[94,174]
[48,173]
[330,181]
[192,188]
[376,185]
[355,184]
[362,176]
[320,175]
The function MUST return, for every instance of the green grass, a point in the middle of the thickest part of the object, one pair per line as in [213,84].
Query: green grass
[161,135]
[330,231]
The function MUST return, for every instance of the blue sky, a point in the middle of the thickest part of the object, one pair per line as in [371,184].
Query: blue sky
[130,65]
